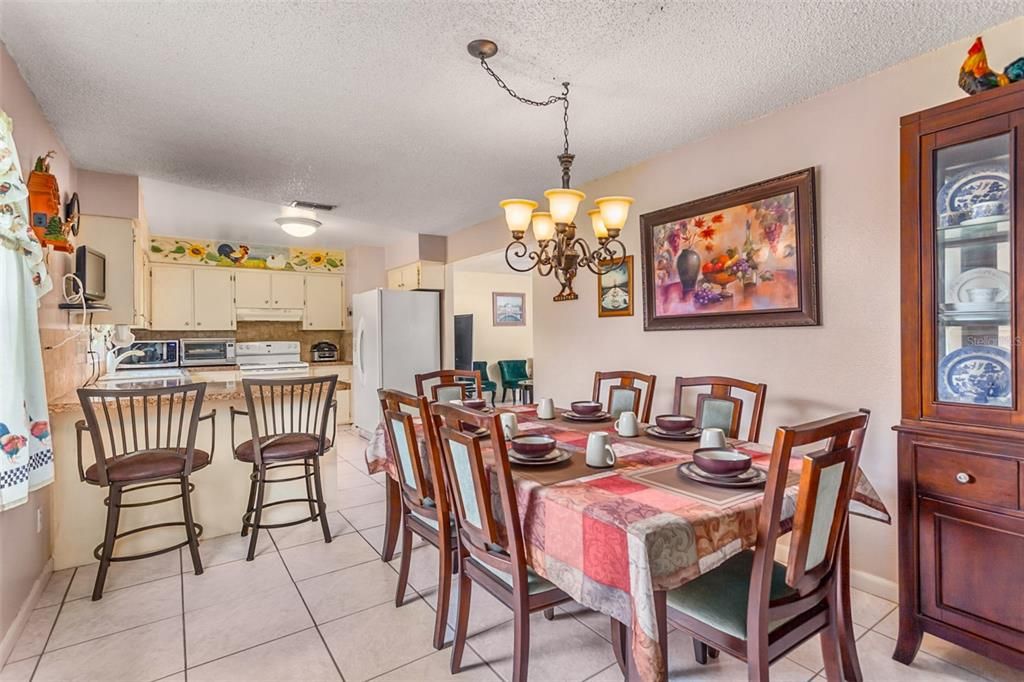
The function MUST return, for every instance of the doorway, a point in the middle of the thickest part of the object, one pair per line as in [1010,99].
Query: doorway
[463,342]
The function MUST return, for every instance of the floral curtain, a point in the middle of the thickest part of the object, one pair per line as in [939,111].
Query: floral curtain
[26,452]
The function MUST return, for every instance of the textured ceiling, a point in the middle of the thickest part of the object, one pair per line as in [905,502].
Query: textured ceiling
[376,107]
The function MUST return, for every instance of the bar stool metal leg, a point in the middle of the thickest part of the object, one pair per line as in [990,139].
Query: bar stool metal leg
[190,527]
[252,500]
[257,513]
[321,505]
[109,535]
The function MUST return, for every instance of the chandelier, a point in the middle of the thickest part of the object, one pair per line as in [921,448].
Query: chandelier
[559,251]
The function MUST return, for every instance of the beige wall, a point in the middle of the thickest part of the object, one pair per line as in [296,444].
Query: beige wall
[472,295]
[23,551]
[851,135]
[110,194]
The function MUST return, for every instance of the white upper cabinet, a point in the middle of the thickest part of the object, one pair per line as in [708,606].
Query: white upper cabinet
[124,242]
[213,298]
[288,290]
[252,288]
[419,275]
[171,294]
[325,302]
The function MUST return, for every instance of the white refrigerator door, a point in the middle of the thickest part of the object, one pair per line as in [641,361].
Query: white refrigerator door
[366,365]
[410,337]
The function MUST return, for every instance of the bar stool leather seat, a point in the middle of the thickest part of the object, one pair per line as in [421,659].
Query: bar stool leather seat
[293,446]
[148,465]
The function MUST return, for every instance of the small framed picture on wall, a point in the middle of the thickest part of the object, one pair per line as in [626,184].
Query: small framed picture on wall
[509,309]
[615,288]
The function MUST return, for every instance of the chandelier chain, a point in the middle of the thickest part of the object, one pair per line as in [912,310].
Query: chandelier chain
[553,99]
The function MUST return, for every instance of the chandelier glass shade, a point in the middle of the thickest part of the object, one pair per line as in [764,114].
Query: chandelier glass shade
[559,252]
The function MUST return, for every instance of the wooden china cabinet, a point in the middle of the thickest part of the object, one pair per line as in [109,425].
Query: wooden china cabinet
[961,437]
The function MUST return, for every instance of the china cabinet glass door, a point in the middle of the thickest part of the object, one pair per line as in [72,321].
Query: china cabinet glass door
[973,273]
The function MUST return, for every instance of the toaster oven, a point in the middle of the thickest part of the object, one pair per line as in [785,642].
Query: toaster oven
[199,352]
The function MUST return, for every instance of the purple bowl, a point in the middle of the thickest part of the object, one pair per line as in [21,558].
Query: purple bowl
[585,407]
[674,423]
[474,403]
[721,461]
[532,446]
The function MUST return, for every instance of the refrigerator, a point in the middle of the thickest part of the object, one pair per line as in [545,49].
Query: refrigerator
[396,335]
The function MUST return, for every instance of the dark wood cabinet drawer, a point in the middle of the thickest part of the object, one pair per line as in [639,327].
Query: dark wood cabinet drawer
[968,476]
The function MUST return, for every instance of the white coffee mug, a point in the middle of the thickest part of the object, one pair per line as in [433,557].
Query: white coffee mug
[626,425]
[712,438]
[600,454]
[546,408]
[509,424]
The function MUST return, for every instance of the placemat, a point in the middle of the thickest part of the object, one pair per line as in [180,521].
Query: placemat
[667,478]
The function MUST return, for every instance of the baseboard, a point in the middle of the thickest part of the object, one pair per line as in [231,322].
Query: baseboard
[873,584]
[29,605]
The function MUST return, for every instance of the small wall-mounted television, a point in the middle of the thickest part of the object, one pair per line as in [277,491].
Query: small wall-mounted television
[91,269]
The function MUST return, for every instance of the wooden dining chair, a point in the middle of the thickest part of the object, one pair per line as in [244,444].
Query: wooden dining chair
[627,391]
[425,509]
[491,549]
[291,426]
[758,609]
[446,385]
[719,407]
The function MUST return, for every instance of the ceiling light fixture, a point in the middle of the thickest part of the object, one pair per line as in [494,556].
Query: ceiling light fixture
[298,226]
[559,251]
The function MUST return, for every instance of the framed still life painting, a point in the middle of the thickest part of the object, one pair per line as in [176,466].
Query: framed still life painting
[615,288]
[509,309]
[742,258]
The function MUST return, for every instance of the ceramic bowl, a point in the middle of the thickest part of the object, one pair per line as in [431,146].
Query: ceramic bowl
[987,209]
[721,461]
[586,407]
[532,446]
[673,423]
[474,403]
[982,294]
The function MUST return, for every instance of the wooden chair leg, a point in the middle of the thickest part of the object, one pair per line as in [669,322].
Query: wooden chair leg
[844,615]
[461,619]
[712,652]
[190,527]
[249,506]
[700,652]
[403,565]
[257,512]
[444,589]
[757,659]
[549,614]
[320,504]
[830,653]
[113,514]
[521,643]
[619,644]
[392,517]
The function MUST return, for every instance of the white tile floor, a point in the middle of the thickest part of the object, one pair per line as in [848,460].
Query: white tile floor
[306,610]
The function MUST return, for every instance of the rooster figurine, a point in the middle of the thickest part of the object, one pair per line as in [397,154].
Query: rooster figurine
[976,75]
[237,257]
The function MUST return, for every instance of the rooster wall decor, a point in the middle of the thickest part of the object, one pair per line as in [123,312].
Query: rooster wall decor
[976,75]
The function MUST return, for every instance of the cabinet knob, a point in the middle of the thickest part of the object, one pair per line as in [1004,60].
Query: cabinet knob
[266,301]
[199,324]
[186,324]
[964,478]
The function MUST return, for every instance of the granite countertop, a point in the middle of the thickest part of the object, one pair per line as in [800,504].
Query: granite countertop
[215,390]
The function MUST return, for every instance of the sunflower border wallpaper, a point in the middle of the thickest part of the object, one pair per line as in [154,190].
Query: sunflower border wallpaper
[237,255]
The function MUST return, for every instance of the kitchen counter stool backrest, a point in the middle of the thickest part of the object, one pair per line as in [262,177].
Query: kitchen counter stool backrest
[719,407]
[627,391]
[446,385]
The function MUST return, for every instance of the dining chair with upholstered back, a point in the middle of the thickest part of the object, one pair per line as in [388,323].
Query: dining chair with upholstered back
[627,391]
[486,384]
[758,609]
[513,373]
[492,552]
[445,385]
[425,509]
[719,407]
[291,426]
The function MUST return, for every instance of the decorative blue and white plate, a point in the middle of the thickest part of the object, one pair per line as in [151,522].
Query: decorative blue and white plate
[976,374]
[974,185]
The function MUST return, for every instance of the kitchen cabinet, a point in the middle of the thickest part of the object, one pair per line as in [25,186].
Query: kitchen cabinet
[344,395]
[325,302]
[961,436]
[419,275]
[212,303]
[269,289]
[186,298]
[124,242]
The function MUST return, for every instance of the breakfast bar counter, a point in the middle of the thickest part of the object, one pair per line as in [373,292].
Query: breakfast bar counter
[221,489]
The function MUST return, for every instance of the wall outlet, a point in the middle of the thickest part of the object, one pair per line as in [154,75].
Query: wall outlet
[39,520]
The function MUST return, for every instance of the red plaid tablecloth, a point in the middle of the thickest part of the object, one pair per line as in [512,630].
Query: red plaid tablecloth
[610,539]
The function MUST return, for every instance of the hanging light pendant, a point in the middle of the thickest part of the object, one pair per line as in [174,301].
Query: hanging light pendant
[559,252]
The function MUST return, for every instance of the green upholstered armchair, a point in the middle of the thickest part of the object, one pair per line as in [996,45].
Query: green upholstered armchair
[513,372]
[486,385]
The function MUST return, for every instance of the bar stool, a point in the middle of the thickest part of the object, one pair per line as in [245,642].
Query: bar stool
[288,421]
[132,456]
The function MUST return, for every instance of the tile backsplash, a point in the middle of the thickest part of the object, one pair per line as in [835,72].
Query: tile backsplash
[265,331]
[66,366]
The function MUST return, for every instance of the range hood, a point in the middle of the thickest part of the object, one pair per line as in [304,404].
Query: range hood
[269,314]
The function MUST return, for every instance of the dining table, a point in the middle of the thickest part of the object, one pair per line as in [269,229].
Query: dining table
[618,539]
